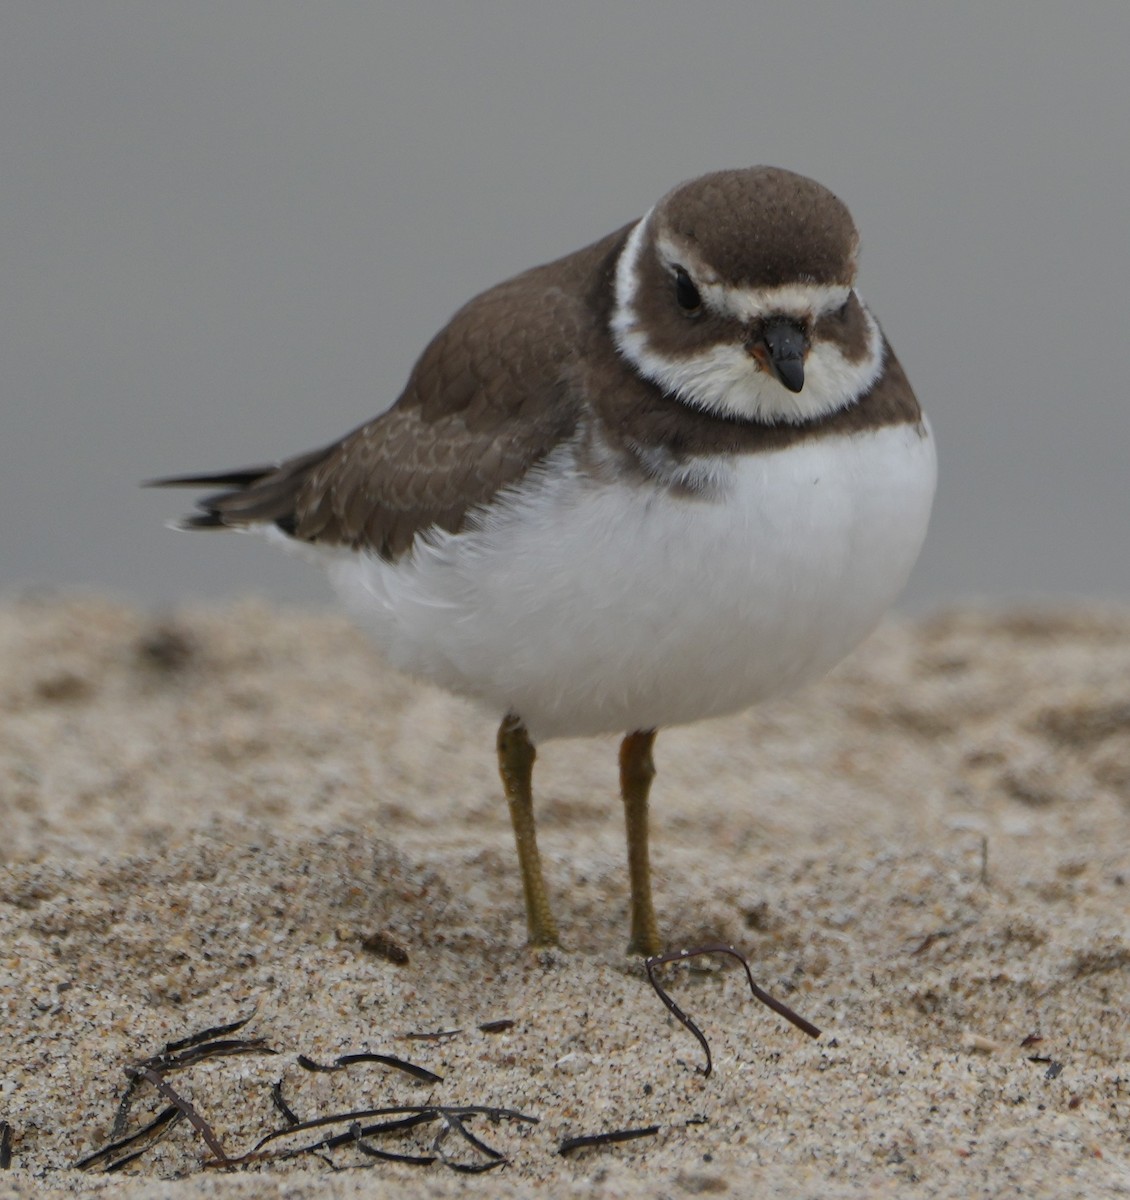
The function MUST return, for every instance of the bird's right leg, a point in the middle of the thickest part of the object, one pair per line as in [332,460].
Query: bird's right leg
[516,756]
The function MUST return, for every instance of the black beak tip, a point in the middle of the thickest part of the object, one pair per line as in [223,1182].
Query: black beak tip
[790,371]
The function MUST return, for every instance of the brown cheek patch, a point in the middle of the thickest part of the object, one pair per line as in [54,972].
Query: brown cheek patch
[671,332]
[847,333]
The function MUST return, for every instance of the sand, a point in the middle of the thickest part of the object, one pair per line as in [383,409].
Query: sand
[211,814]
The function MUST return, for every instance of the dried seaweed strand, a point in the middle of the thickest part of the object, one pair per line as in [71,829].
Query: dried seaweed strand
[288,1113]
[207,1035]
[189,1057]
[380,1129]
[344,1060]
[422,1074]
[659,960]
[416,1113]
[331,1142]
[415,1160]
[308,1064]
[681,1017]
[584,1140]
[119,1126]
[472,1168]
[436,1036]
[161,1123]
[453,1122]
[5,1145]
[292,1118]
[121,1163]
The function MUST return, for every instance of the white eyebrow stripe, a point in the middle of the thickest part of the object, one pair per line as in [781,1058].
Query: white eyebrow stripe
[747,304]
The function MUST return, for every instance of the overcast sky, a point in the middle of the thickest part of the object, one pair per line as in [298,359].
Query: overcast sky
[227,230]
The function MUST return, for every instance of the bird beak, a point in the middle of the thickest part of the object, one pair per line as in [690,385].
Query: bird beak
[779,348]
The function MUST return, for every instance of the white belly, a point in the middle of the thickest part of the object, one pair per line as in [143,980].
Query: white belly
[594,607]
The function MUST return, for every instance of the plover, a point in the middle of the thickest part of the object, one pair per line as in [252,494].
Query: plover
[663,478]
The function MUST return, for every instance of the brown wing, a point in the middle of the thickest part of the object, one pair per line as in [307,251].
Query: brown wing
[489,398]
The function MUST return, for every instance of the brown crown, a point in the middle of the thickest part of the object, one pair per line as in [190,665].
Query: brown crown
[763,227]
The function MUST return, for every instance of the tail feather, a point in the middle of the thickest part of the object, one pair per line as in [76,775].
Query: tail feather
[265,495]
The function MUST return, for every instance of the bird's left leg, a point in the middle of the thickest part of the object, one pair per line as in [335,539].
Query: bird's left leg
[637,770]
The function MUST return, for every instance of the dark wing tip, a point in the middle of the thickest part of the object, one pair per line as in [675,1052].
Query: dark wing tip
[248,496]
[240,478]
[208,519]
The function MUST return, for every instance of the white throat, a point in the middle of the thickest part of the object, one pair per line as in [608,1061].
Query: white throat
[723,378]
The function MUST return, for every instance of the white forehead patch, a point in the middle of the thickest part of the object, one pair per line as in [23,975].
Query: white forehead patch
[724,378]
[802,300]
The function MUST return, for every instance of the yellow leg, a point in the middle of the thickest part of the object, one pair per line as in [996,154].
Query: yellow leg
[637,770]
[516,756]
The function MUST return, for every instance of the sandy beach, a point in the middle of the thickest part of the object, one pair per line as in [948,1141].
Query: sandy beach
[241,812]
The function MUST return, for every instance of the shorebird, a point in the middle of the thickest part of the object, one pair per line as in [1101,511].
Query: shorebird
[668,476]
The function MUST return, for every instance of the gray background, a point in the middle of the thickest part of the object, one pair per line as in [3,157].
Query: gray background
[227,230]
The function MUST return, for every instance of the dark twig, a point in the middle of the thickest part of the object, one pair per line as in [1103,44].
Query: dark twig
[185,1106]
[5,1145]
[437,1036]
[584,1140]
[659,960]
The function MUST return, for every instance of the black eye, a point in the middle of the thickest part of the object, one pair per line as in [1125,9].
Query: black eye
[685,292]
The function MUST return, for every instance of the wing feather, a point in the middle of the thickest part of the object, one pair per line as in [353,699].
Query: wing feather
[491,396]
